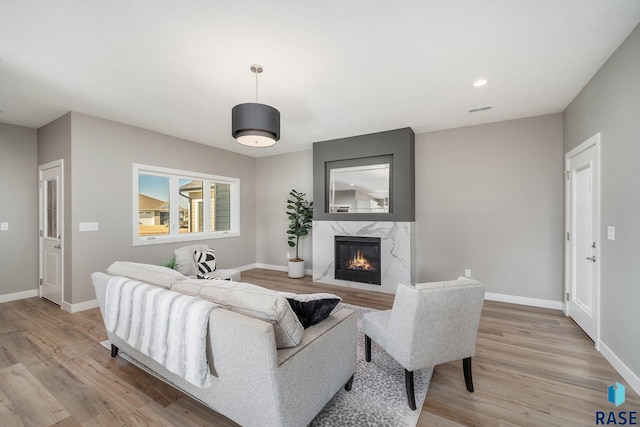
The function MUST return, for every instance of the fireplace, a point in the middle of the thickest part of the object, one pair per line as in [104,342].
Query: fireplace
[357,259]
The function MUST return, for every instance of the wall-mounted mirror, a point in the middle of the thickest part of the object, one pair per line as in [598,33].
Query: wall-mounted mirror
[360,189]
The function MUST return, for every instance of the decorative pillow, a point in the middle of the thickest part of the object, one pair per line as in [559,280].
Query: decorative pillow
[185,263]
[312,308]
[148,273]
[205,261]
[211,277]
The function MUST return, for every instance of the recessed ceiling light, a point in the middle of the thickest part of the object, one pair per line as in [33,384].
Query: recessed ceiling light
[480,82]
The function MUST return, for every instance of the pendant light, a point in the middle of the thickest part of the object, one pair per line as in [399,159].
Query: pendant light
[253,124]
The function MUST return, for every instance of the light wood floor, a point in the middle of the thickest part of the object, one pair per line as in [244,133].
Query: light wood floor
[533,367]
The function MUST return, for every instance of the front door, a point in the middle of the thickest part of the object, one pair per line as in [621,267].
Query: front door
[51,255]
[583,242]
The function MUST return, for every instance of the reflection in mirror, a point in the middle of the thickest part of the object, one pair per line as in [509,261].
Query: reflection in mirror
[359,189]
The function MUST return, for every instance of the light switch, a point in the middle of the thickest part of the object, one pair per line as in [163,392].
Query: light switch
[467,272]
[88,226]
[4,226]
[611,232]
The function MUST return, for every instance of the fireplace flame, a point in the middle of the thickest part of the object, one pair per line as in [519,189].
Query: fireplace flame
[359,262]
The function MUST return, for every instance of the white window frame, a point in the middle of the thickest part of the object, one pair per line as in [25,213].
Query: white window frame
[174,235]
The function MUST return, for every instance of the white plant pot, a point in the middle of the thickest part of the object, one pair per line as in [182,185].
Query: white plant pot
[296,269]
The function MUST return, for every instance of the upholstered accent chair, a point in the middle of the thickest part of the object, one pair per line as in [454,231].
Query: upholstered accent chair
[429,324]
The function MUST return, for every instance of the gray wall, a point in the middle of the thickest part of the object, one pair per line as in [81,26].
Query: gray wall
[490,198]
[610,104]
[54,143]
[275,177]
[101,157]
[18,207]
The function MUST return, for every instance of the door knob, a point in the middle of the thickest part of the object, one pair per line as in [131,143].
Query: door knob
[57,246]
[591,258]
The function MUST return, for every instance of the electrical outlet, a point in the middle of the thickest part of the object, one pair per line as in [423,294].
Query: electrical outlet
[288,255]
[4,226]
[467,272]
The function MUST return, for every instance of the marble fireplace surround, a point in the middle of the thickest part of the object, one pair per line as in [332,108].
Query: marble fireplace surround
[397,251]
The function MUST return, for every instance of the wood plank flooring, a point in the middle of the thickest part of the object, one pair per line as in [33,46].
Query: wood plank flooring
[533,367]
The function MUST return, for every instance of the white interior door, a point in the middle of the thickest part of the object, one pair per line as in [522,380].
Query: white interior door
[51,254]
[583,244]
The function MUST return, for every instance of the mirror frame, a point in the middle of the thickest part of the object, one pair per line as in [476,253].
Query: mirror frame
[363,161]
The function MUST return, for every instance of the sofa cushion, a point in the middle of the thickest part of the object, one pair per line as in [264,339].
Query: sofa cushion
[312,308]
[152,274]
[205,261]
[185,262]
[250,300]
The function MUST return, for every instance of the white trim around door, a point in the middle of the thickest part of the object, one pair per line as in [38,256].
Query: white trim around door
[582,236]
[51,242]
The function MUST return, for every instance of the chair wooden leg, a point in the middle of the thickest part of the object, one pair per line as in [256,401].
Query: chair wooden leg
[367,348]
[468,379]
[411,397]
[349,383]
[114,350]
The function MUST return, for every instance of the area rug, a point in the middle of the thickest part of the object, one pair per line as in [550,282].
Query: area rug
[378,396]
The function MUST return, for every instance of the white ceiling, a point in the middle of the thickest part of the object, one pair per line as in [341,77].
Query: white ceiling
[334,68]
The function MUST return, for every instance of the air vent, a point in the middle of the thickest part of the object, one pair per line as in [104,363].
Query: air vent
[475,110]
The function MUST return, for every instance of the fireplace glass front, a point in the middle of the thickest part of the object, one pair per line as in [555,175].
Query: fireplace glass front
[357,259]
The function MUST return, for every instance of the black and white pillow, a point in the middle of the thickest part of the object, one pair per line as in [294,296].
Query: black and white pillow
[211,277]
[205,261]
[312,308]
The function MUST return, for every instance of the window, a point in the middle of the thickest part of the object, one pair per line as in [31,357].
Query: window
[173,205]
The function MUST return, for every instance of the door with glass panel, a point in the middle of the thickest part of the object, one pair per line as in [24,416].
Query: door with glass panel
[51,251]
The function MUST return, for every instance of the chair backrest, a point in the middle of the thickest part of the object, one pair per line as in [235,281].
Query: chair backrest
[433,323]
[185,263]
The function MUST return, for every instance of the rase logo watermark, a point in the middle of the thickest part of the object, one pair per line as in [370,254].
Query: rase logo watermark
[615,396]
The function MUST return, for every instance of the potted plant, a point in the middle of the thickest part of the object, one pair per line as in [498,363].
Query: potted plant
[300,214]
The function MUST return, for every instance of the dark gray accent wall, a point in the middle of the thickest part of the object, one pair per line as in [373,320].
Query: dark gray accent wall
[18,208]
[399,143]
[610,104]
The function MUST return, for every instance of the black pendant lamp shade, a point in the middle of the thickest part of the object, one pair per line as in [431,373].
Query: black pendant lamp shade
[255,125]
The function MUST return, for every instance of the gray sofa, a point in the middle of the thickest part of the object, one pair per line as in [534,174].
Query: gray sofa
[253,382]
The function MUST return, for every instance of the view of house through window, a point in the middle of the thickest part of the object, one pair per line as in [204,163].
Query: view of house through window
[220,202]
[171,205]
[153,205]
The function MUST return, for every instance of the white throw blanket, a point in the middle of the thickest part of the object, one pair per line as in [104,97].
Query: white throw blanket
[169,327]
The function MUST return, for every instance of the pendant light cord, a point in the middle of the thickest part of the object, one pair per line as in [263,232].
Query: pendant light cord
[256,87]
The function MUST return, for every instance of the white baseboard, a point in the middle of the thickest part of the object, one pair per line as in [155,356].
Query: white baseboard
[624,371]
[278,268]
[271,267]
[19,295]
[245,267]
[81,306]
[534,302]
